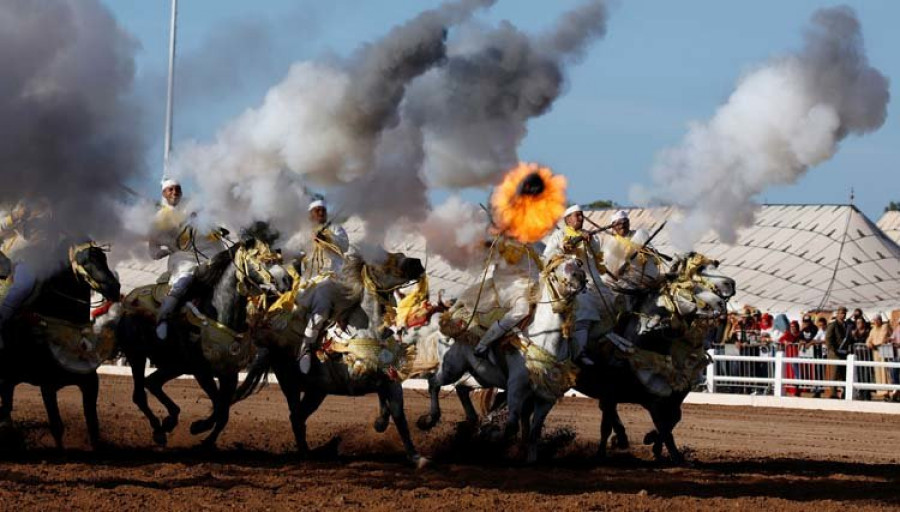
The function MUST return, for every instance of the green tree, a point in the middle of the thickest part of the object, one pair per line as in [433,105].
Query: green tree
[893,206]
[603,203]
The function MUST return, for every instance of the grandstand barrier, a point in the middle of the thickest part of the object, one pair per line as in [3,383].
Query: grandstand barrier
[768,370]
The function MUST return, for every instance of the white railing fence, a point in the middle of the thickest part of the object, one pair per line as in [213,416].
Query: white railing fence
[768,370]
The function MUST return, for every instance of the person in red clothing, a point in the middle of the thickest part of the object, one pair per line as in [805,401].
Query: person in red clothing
[790,343]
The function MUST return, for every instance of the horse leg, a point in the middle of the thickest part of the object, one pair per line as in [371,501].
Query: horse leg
[301,410]
[606,428]
[525,419]
[384,416]
[139,397]
[464,393]
[392,394]
[541,410]
[222,407]
[620,439]
[48,394]
[90,386]
[154,385]
[208,383]
[451,370]
[517,391]
[665,427]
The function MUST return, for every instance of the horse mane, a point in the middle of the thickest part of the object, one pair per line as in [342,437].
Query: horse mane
[209,275]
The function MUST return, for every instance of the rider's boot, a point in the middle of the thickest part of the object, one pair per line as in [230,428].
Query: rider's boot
[168,306]
[493,334]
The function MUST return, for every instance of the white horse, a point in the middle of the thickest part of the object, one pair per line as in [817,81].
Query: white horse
[538,370]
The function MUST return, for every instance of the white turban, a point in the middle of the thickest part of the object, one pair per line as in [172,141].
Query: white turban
[619,215]
[316,204]
[575,208]
[169,182]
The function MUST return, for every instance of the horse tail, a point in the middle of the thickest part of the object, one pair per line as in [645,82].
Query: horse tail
[484,399]
[257,376]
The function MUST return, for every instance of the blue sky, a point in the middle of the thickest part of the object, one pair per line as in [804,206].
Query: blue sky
[661,65]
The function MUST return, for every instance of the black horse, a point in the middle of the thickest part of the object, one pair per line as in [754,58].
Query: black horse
[220,292]
[27,357]
[612,381]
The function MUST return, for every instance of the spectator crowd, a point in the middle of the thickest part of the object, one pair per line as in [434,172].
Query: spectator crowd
[818,335]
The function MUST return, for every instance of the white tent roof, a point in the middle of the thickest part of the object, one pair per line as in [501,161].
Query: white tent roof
[890,224]
[799,257]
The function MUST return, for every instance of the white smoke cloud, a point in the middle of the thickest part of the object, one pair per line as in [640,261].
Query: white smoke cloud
[784,117]
[455,231]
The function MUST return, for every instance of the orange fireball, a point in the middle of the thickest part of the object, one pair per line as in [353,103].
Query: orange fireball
[528,202]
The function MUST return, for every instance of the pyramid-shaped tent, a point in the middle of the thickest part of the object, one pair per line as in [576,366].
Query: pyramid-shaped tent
[797,258]
[890,224]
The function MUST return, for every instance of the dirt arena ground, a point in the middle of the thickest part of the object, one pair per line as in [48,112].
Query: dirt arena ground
[741,459]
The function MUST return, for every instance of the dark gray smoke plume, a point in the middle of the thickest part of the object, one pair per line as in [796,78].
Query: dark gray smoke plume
[320,125]
[66,125]
[462,122]
[784,117]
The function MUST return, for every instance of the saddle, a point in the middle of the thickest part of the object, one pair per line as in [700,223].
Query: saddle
[367,357]
[146,300]
[75,347]
[226,350]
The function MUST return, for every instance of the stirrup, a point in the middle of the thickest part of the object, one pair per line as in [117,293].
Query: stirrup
[305,363]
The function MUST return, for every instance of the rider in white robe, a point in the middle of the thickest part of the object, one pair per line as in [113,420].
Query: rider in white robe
[324,252]
[174,237]
[515,272]
[597,303]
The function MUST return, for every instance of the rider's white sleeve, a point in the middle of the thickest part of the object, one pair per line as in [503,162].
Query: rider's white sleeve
[518,311]
[554,245]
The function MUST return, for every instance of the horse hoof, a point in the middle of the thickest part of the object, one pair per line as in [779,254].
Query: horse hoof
[201,426]
[421,462]
[620,443]
[160,438]
[426,422]
[169,423]
[381,424]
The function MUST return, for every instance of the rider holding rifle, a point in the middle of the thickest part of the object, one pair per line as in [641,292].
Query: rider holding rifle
[596,302]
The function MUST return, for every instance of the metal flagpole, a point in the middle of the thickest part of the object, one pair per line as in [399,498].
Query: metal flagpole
[167,149]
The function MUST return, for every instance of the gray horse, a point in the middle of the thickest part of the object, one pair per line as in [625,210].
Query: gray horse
[514,370]
[355,301]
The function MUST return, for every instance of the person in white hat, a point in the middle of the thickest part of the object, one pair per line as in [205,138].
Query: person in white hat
[628,256]
[174,237]
[596,308]
[323,255]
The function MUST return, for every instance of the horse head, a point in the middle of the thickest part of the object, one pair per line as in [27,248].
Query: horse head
[566,276]
[392,272]
[89,263]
